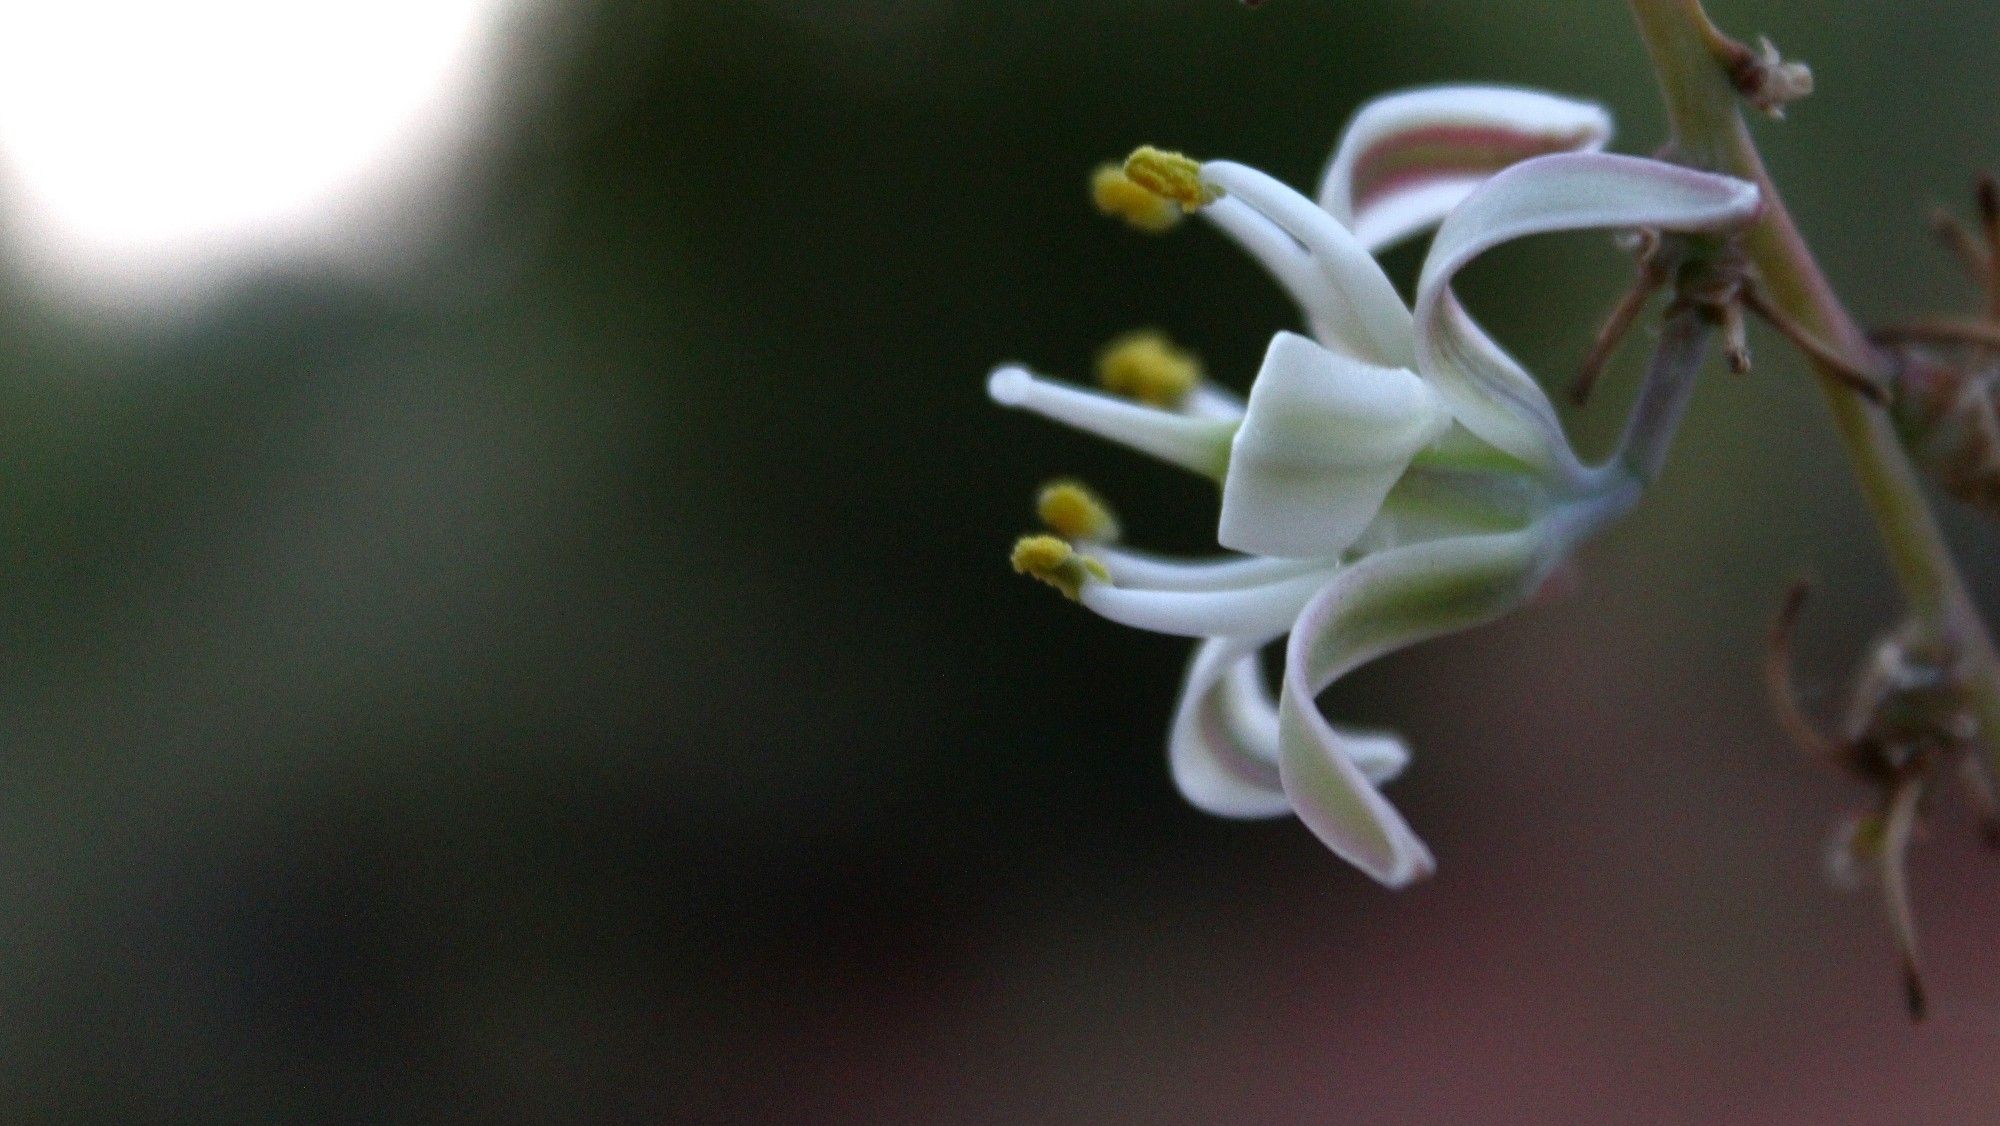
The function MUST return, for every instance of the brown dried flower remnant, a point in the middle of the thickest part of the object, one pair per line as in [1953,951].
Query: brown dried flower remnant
[1908,722]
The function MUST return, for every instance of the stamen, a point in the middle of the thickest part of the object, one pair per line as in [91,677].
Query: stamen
[1263,611]
[1119,196]
[1146,366]
[1074,512]
[1197,444]
[1056,563]
[1171,176]
[1142,571]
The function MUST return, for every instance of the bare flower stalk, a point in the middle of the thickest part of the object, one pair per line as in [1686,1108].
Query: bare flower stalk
[1693,63]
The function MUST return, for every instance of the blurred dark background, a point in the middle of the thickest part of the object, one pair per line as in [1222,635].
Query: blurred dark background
[575,676]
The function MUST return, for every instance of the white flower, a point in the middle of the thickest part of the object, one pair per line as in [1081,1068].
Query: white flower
[1394,475]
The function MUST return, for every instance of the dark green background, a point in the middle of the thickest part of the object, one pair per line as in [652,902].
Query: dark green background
[579,679]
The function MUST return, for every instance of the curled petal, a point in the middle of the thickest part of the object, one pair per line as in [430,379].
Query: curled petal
[1351,304]
[1383,603]
[1405,160]
[1197,444]
[1222,753]
[1322,441]
[1223,747]
[1486,390]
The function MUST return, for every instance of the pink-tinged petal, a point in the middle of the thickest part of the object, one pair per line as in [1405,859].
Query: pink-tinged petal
[1406,160]
[1486,390]
[1222,756]
[1350,303]
[1380,604]
[1223,747]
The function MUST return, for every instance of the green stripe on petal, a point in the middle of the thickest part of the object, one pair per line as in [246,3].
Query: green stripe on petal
[1383,603]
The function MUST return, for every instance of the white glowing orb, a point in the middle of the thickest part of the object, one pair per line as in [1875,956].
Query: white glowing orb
[148,144]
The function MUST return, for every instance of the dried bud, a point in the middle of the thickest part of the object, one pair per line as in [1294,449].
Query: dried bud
[1945,410]
[1768,80]
[1908,725]
[1947,369]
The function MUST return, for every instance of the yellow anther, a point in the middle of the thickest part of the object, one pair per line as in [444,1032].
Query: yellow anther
[1056,563]
[1074,512]
[1171,175]
[1147,366]
[1117,195]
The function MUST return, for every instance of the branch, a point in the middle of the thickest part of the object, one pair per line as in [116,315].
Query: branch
[1692,59]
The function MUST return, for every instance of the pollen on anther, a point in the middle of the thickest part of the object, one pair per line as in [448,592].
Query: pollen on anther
[1041,555]
[1119,196]
[1073,512]
[1171,175]
[1056,563]
[1147,366]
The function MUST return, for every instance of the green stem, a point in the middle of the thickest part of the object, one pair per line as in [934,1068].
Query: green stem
[1691,60]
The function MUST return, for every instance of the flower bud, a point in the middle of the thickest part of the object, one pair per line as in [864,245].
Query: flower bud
[1947,414]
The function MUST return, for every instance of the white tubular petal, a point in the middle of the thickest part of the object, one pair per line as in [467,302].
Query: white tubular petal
[1322,441]
[1486,390]
[1199,444]
[1223,758]
[1407,159]
[1262,611]
[1350,302]
[1142,571]
[1378,605]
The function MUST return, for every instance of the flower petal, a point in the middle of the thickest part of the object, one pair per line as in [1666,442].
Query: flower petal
[1405,160]
[1322,441]
[1222,756]
[1435,504]
[1223,747]
[1349,302]
[1380,604]
[1486,390]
